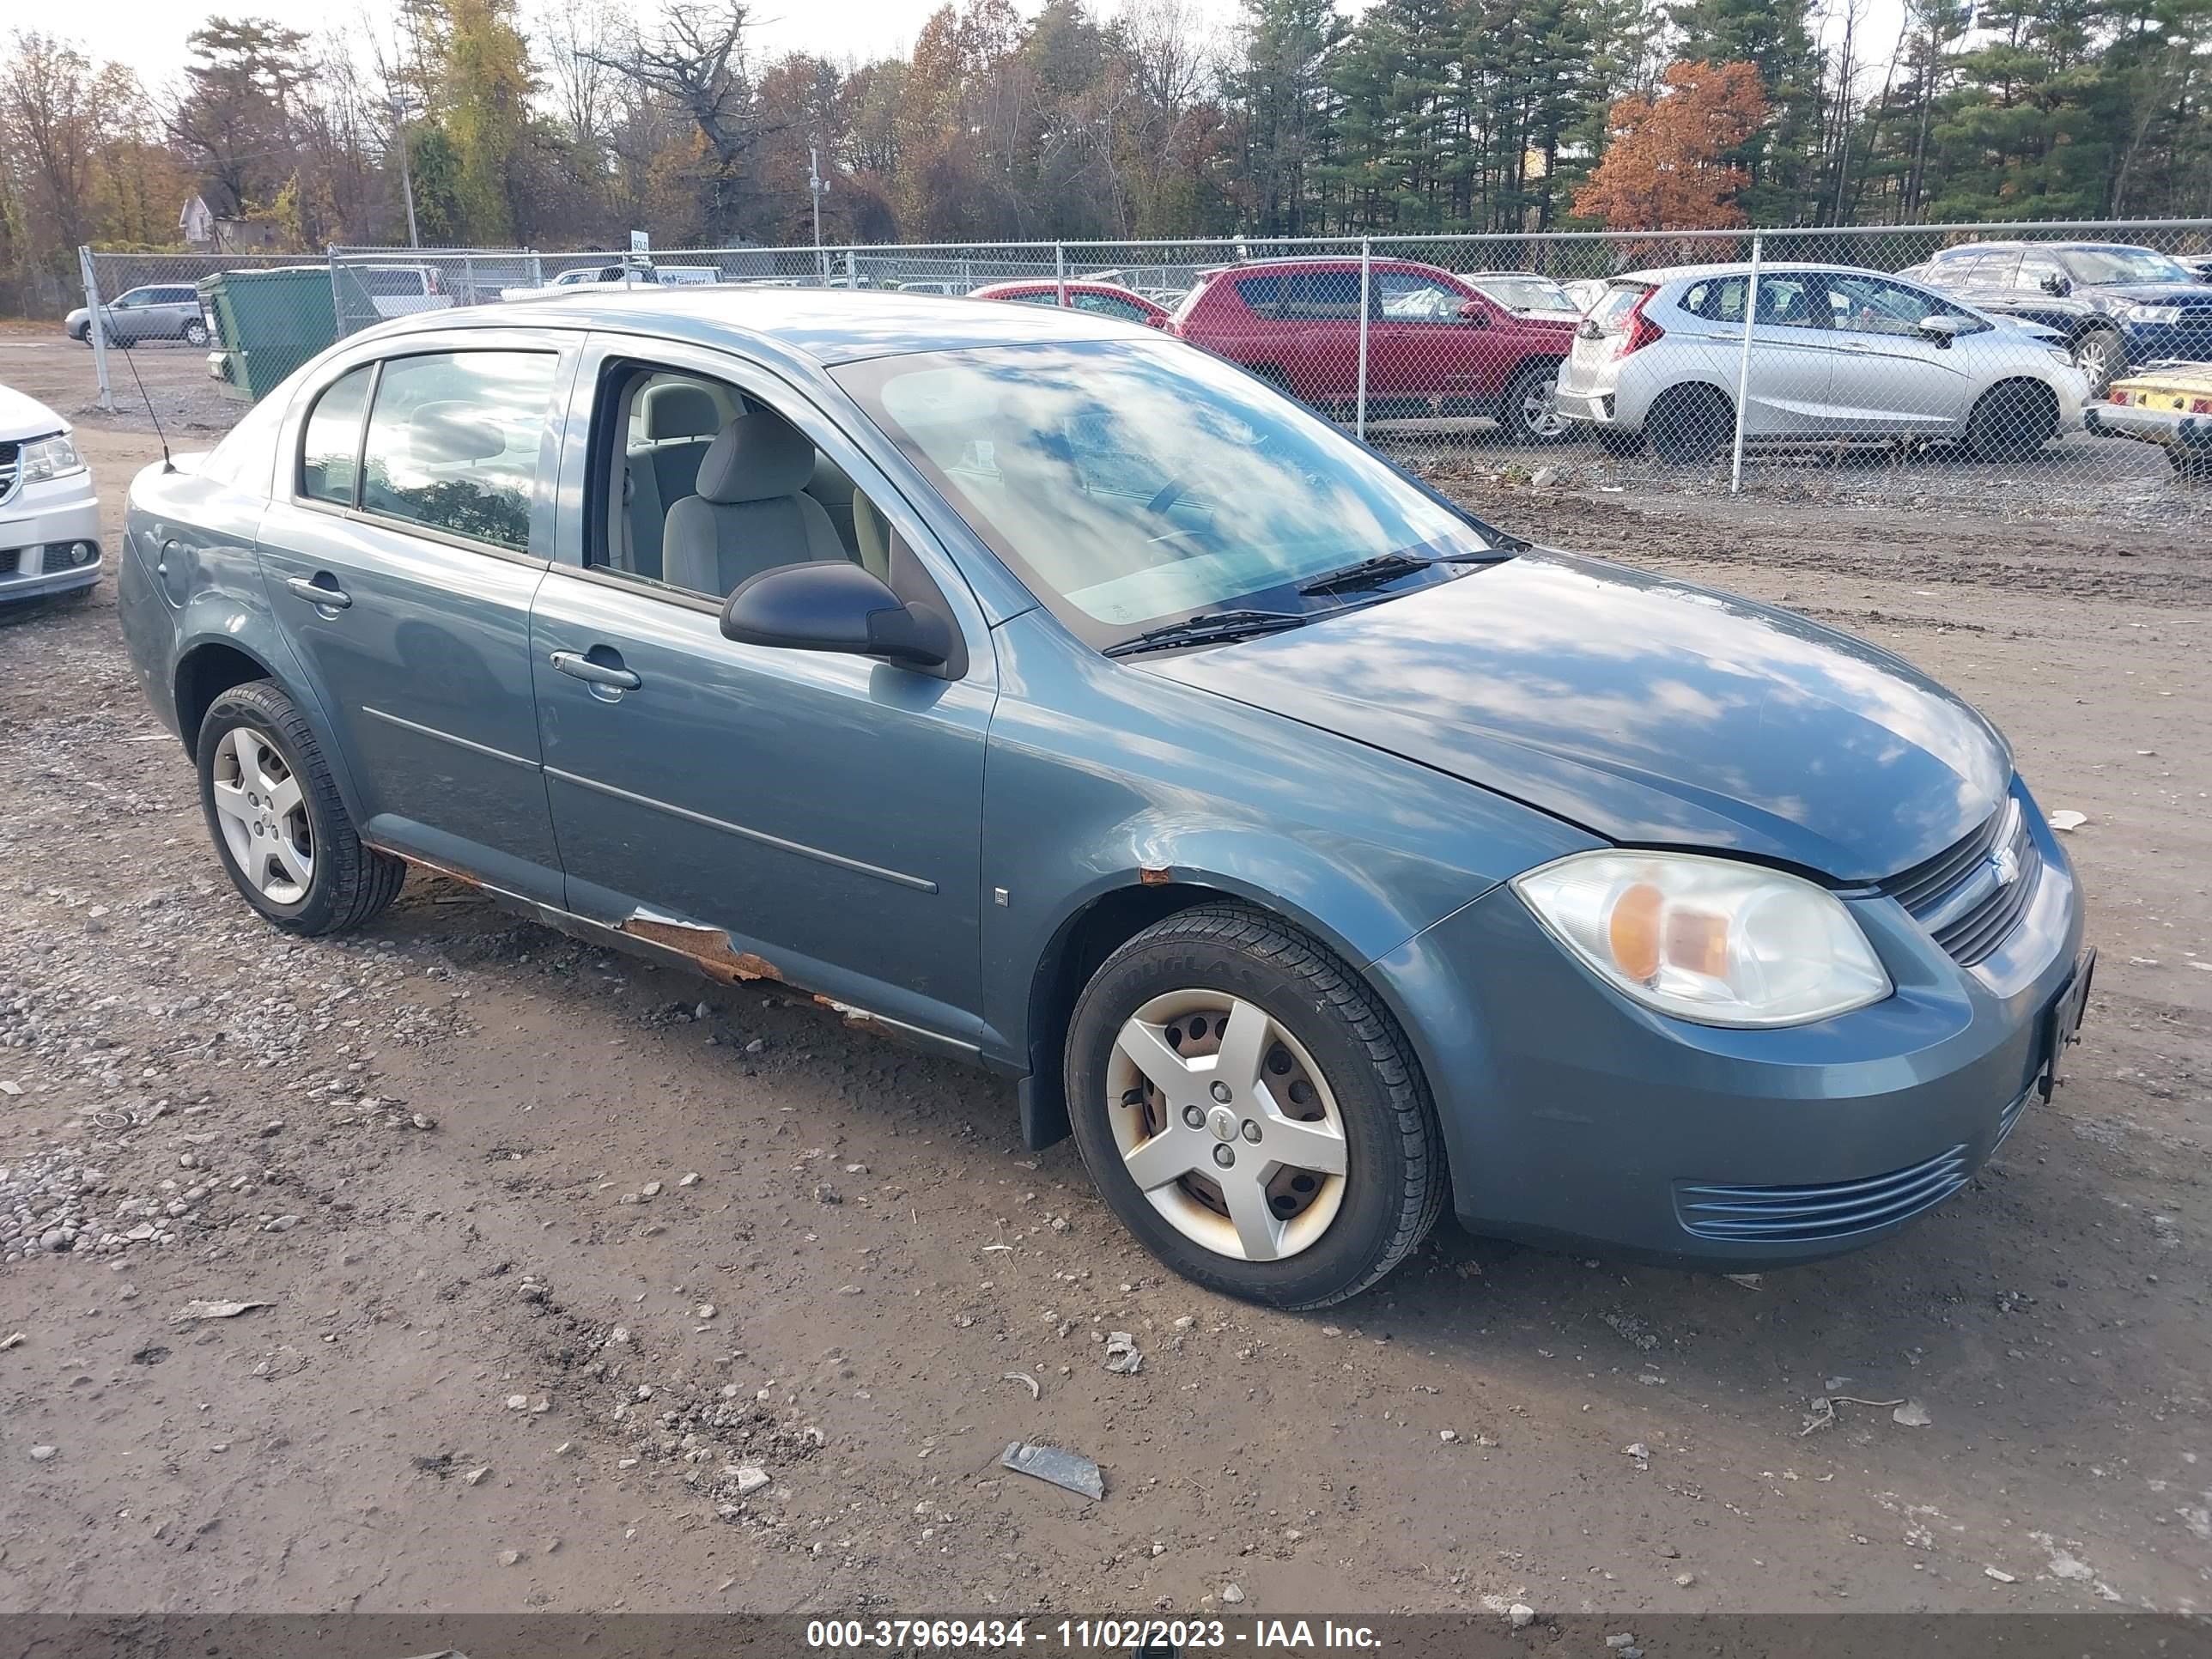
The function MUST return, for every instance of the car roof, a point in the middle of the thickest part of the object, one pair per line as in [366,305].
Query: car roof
[1660,275]
[830,325]
[2048,247]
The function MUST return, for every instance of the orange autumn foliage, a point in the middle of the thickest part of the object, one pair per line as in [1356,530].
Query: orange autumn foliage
[1667,167]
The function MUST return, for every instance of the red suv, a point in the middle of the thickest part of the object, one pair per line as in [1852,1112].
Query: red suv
[1434,346]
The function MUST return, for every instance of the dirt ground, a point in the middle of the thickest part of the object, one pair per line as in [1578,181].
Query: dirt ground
[549,1244]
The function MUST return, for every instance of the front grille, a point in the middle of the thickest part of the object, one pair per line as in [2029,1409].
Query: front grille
[1972,895]
[1806,1215]
[11,468]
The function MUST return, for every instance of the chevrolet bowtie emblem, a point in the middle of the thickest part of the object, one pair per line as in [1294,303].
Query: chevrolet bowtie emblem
[2007,864]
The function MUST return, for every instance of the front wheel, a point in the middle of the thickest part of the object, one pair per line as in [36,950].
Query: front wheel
[279,825]
[1532,406]
[1250,1112]
[2011,422]
[2102,355]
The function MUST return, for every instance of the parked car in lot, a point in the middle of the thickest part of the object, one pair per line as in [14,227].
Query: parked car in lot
[1526,293]
[2198,265]
[620,272]
[1107,299]
[1836,354]
[1018,681]
[2170,406]
[156,310]
[49,511]
[1586,291]
[2115,305]
[1436,346]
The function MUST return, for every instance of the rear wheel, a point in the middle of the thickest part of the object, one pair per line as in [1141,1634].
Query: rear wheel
[2102,355]
[196,333]
[1532,406]
[279,825]
[2011,421]
[1249,1112]
[1687,425]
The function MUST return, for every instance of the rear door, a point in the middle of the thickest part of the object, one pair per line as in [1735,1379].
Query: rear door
[1789,394]
[401,554]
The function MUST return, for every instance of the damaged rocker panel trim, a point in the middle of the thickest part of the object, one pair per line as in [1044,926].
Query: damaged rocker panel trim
[898,878]
[692,945]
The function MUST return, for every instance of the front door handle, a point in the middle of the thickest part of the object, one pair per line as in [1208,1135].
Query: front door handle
[323,592]
[576,665]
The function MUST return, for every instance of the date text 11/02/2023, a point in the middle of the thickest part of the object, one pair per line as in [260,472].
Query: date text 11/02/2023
[1134,1635]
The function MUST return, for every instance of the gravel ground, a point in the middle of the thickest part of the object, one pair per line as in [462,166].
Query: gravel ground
[582,1285]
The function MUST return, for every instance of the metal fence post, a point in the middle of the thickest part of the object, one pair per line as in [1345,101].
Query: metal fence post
[1359,414]
[96,327]
[1743,368]
[337,306]
[1059,274]
[851,268]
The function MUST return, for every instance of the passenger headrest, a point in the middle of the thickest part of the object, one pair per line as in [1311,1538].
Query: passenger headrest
[680,411]
[828,485]
[756,457]
[452,430]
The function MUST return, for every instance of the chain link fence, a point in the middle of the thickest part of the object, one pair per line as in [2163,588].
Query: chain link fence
[2027,370]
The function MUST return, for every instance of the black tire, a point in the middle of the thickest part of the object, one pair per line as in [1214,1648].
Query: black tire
[1617,440]
[1689,425]
[1517,418]
[351,883]
[2193,465]
[1395,1183]
[2102,355]
[2011,421]
[196,334]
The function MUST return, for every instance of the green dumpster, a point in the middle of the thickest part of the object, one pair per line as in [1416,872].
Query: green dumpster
[266,324]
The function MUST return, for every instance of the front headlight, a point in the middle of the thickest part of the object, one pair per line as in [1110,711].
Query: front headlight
[50,458]
[1708,939]
[2153,313]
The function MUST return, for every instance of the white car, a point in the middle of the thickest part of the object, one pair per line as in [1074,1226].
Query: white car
[49,513]
[1836,354]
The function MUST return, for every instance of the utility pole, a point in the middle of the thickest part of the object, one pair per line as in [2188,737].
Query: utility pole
[400,107]
[817,187]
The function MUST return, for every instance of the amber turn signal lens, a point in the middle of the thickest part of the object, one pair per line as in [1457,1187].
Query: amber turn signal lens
[1633,932]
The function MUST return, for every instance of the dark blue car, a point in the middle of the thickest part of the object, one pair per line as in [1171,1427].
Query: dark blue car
[1054,695]
[2118,307]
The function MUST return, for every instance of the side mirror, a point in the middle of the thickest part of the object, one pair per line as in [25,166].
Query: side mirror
[1474,314]
[2055,285]
[827,605]
[1943,330]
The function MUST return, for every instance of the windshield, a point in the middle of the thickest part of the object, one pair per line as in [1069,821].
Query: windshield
[1528,294]
[2096,265]
[1131,484]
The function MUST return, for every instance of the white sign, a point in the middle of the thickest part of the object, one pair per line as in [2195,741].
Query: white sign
[640,242]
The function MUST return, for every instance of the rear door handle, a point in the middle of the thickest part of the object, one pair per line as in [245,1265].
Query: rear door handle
[323,591]
[576,665]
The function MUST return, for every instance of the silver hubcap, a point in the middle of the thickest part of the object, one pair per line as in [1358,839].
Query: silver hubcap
[1539,409]
[263,817]
[2094,357]
[1227,1126]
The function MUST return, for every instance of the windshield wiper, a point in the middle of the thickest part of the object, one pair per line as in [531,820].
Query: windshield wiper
[1208,629]
[1368,573]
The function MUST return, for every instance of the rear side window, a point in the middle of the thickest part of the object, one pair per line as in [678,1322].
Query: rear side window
[1263,296]
[454,442]
[1323,295]
[388,282]
[330,448]
[1036,296]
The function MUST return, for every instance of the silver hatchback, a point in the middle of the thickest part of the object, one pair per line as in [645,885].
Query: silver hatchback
[1835,354]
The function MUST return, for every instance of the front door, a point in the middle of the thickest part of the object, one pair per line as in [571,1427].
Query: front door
[812,817]
[1888,377]
[404,584]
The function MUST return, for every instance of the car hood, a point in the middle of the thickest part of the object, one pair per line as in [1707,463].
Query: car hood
[27,417]
[1649,711]
[2148,293]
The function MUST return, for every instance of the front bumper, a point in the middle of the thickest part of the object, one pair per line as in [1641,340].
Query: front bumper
[37,524]
[2186,434]
[1574,1116]
[2152,342]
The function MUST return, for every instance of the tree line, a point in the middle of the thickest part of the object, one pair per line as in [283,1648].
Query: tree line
[569,124]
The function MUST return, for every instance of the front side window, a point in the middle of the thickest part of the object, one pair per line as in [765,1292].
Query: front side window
[2099,265]
[453,441]
[2041,270]
[1871,305]
[1131,482]
[1036,296]
[1403,296]
[329,445]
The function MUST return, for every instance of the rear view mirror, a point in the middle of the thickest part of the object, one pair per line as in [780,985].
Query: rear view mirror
[826,605]
[1474,314]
